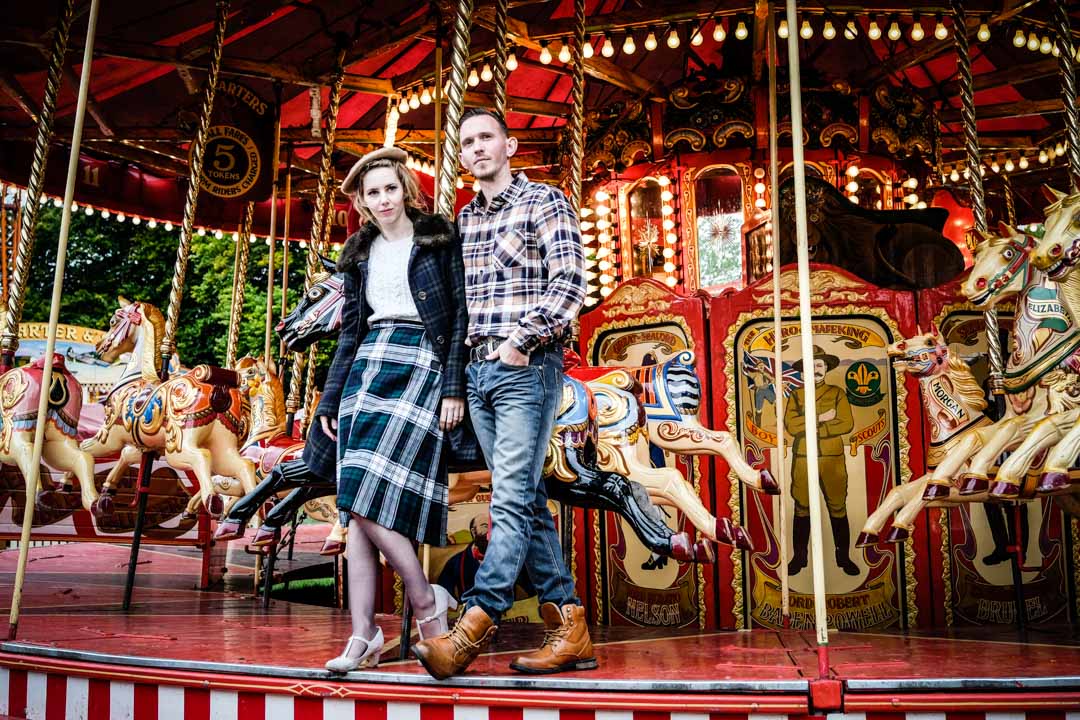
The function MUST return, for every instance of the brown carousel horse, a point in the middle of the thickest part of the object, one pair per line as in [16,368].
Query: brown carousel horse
[20,392]
[196,420]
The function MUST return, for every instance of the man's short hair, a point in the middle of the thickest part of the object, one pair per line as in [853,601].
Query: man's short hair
[482,111]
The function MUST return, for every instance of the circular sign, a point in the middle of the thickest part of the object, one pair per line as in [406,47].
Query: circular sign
[231,162]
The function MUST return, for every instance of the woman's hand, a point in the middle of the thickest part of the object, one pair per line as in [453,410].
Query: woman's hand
[451,413]
[329,426]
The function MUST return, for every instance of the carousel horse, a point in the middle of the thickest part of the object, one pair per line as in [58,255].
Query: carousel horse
[1041,379]
[954,403]
[20,393]
[195,420]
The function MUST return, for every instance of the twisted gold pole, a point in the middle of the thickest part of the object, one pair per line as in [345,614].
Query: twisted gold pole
[240,266]
[978,198]
[309,391]
[1010,200]
[1068,88]
[24,244]
[323,198]
[448,173]
[577,112]
[501,73]
[198,147]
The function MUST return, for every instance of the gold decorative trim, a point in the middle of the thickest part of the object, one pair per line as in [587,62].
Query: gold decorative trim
[632,149]
[598,556]
[691,273]
[843,130]
[731,128]
[821,279]
[946,563]
[1075,522]
[695,138]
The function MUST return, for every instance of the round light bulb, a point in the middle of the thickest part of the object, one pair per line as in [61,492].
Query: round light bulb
[759,202]
[853,171]
[666,196]
[874,31]
[650,41]
[136,220]
[669,267]
[121,217]
[940,31]
[74,206]
[601,196]
[587,51]
[696,38]
[852,187]
[829,32]
[1032,42]
[608,49]
[894,31]
[218,234]
[759,187]
[564,52]
[474,80]
[89,210]
[806,31]
[425,97]
[673,39]
[235,236]
[740,31]
[1060,148]
[718,32]
[460,184]
[911,183]
[851,30]
[1043,157]
[663,181]
[545,53]
[954,176]
[512,63]
[1046,46]
[1024,162]
[486,75]
[994,166]
[917,32]
[782,31]
[152,223]
[414,99]
[671,281]
[168,227]
[984,32]
[403,105]
[1019,40]
[628,46]
[57,202]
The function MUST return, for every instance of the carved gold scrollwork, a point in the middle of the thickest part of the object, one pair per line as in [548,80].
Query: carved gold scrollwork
[785,129]
[631,150]
[694,138]
[729,129]
[843,130]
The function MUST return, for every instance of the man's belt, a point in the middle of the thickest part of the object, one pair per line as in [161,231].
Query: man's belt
[484,347]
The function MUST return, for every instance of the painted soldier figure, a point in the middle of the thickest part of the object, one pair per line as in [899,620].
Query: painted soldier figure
[833,421]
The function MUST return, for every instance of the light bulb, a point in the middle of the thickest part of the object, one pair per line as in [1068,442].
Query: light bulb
[666,196]
[921,205]
[1056,52]
[564,52]
[696,38]
[601,196]
[984,32]
[851,30]
[911,199]
[650,41]
[917,32]
[1043,157]
[894,31]
[1045,46]
[718,32]
[671,281]
[121,217]
[403,105]
[673,38]
[74,206]
[218,234]
[911,183]
[852,187]
[628,46]
[1052,152]
[782,31]
[235,236]
[1060,148]
[136,220]
[663,181]
[759,187]
[89,210]
[545,53]
[460,184]
[57,202]
[474,79]
[874,31]
[829,32]
[414,99]
[1019,40]
[740,31]
[486,75]
[587,51]
[669,267]
[425,97]
[608,49]
[152,223]
[1032,42]
[168,227]
[853,171]
[1024,162]
[954,176]
[1009,166]
[759,202]
[940,31]
[994,165]
[806,31]
[853,198]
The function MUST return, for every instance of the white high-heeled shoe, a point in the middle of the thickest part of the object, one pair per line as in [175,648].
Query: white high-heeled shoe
[436,623]
[367,659]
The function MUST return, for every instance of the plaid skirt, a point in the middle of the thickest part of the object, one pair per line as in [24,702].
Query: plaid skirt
[390,465]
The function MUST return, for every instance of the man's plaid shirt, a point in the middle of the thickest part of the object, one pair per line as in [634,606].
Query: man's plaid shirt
[524,264]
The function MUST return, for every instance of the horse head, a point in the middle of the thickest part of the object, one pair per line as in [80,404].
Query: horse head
[318,314]
[263,387]
[1058,252]
[922,355]
[129,320]
[1001,268]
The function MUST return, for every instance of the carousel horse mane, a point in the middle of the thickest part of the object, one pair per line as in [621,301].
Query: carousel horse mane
[964,383]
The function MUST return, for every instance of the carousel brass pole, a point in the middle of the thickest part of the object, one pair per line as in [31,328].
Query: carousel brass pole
[975,180]
[1066,51]
[806,337]
[198,147]
[285,251]
[499,87]
[240,267]
[54,320]
[439,101]
[323,197]
[780,467]
[4,243]
[24,243]
[268,333]
[447,190]
[1010,200]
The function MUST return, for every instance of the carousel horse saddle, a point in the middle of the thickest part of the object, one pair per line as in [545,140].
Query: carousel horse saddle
[895,249]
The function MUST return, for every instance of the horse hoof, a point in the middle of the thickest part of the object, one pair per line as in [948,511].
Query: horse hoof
[102,507]
[971,484]
[769,486]
[935,492]
[266,536]
[897,534]
[228,529]
[215,505]
[332,547]
[704,552]
[682,547]
[866,539]
[725,531]
[742,539]
[1053,482]
[1005,491]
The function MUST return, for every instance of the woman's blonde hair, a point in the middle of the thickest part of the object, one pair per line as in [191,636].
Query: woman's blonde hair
[410,187]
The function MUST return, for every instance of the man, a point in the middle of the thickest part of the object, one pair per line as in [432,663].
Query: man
[524,283]
[833,420]
[458,575]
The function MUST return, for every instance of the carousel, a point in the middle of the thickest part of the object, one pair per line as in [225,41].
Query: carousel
[883,199]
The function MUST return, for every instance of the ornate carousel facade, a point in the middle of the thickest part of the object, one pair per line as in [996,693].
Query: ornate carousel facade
[883,197]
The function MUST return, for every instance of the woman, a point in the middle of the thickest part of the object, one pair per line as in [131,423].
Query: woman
[396,384]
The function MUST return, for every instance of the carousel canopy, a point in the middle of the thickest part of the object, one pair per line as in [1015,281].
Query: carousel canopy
[151,58]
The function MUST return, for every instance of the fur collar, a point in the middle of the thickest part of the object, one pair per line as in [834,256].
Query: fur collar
[429,231]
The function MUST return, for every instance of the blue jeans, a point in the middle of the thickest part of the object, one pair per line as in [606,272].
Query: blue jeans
[513,412]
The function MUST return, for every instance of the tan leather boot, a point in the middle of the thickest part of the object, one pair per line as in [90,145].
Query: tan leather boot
[452,652]
[566,643]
